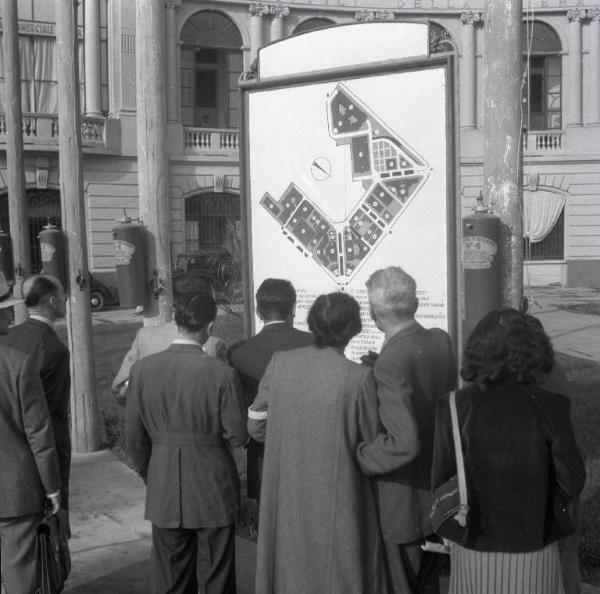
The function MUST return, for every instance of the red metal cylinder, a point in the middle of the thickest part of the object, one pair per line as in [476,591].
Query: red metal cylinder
[480,242]
[128,241]
[53,253]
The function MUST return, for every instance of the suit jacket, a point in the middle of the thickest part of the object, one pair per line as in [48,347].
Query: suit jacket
[520,454]
[251,357]
[52,359]
[154,339]
[183,412]
[415,367]
[28,461]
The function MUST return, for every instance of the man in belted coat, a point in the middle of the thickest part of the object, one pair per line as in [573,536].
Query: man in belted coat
[276,306]
[414,368]
[29,470]
[184,411]
[45,300]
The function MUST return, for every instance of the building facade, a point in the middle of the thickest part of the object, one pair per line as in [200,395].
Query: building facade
[208,45]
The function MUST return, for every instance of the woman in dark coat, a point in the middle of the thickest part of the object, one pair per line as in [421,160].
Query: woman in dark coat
[318,531]
[522,464]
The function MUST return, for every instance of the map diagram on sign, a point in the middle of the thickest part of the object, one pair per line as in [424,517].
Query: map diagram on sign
[391,174]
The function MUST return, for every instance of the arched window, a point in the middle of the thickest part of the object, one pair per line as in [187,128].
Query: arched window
[209,220]
[542,76]
[439,39]
[312,24]
[211,63]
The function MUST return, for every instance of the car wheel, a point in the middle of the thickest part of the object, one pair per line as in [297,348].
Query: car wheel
[97,301]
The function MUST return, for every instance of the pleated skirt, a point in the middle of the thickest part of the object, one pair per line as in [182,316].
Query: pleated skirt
[476,572]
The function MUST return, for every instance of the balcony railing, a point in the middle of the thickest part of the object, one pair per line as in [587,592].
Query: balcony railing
[42,129]
[205,141]
[543,141]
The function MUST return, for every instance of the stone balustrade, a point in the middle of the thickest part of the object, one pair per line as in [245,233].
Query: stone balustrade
[205,141]
[543,141]
[43,130]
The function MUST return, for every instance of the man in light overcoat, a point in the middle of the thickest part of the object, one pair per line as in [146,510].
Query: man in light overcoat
[154,339]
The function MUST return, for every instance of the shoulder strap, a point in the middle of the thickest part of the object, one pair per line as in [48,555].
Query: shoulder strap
[460,463]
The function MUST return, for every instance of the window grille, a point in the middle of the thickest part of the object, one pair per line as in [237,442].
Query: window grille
[551,248]
[206,219]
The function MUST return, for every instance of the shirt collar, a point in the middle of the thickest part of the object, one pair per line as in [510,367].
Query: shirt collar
[42,319]
[274,322]
[186,341]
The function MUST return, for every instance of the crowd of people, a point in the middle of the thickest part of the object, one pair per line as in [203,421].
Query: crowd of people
[342,457]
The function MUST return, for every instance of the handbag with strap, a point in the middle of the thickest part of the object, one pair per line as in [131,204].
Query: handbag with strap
[449,509]
[52,556]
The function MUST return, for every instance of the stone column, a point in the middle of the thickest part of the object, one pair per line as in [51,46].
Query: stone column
[594,85]
[257,11]
[93,92]
[574,79]
[278,13]
[172,63]
[468,86]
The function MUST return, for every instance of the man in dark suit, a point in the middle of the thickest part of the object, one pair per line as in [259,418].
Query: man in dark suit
[276,306]
[45,299]
[184,411]
[28,462]
[415,367]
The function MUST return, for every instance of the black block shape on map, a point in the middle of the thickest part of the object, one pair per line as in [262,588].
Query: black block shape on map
[345,115]
[361,156]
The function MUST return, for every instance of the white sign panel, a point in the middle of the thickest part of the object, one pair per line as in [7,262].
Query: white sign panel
[344,46]
[346,177]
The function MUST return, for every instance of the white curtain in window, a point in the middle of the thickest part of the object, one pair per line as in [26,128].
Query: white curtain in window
[26,55]
[541,210]
[44,61]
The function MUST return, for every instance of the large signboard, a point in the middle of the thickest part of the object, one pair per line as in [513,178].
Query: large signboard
[348,174]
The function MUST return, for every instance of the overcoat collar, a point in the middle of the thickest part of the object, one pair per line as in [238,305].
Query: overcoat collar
[413,328]
[176,347]
[39,324]
[276,327]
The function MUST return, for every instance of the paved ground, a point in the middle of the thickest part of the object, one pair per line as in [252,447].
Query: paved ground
[111,540]
[569,319]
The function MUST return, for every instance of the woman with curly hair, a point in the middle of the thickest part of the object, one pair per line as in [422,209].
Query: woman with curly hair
[318,529]
[522,464]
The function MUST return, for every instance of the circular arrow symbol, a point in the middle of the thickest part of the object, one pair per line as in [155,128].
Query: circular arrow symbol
[321,169]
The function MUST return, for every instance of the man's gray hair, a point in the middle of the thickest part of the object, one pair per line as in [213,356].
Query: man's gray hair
[393,291]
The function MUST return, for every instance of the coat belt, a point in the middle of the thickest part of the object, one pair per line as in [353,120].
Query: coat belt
[174,438]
